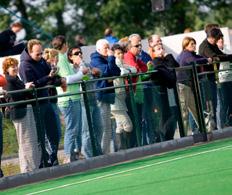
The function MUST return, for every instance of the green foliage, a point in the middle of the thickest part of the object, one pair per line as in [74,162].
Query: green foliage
[10,144]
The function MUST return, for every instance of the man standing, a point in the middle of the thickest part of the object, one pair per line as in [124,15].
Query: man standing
[209,49]
[33,68]
[104,60]
[134,48]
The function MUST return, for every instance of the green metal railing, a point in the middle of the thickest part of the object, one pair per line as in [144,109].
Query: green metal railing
[129,90]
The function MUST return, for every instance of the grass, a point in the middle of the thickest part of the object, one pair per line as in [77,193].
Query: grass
[10,144]
[10,169]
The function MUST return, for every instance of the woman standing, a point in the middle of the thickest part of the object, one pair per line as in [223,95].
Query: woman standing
[22,117]
[185,58]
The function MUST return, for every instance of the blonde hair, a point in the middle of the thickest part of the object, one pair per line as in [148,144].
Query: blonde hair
[31,43]
[8,62]
[186,42]
[50,53]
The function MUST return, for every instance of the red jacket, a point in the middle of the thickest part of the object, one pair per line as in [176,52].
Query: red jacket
[131,60]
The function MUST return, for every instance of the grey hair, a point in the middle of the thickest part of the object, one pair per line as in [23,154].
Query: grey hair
[133,35]
[100,43]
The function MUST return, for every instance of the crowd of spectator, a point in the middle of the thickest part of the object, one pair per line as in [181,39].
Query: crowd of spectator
[144,113]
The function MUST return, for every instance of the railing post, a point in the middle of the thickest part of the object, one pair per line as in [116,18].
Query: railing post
[134,111]
[89,119]
[199,105]
[40,130]
[179,116]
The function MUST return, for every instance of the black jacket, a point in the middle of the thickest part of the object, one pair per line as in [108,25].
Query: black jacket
[56,81]
[165,75]
[19,110]
[212,51]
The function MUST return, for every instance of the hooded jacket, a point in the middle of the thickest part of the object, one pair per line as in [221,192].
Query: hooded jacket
[36,72]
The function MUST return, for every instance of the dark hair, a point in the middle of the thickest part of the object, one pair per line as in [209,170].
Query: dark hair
[209,27]
[215,33]
[58,42]
[108,32]
[69,53]
[118,46]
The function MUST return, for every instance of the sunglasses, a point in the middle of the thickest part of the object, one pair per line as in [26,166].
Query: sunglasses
[139,45]
[77,53]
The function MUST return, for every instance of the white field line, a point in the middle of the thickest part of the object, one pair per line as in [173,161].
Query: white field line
[129,170]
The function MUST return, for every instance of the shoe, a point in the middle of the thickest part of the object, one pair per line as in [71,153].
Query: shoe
[77,155]
[45,164]
[1,173]
[66,160]
[80,156]
[54,160]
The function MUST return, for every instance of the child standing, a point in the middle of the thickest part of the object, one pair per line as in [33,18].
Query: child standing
[119,109]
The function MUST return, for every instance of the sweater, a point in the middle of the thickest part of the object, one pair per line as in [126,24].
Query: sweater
[185,59]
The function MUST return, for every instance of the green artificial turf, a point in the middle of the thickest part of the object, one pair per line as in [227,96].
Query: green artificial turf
[202,169]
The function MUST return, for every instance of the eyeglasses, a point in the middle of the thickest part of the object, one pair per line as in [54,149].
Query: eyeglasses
[138,45]
[77,53]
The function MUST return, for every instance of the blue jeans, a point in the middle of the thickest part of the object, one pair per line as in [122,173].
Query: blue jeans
[51,149]
[224,109]
[57,116]
[73,127]
[97,131]
[192,124]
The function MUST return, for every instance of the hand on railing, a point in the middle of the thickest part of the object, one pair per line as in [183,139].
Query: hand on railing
[84,70]
[29,85]
[210,60]
[3,92]
[95,72]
